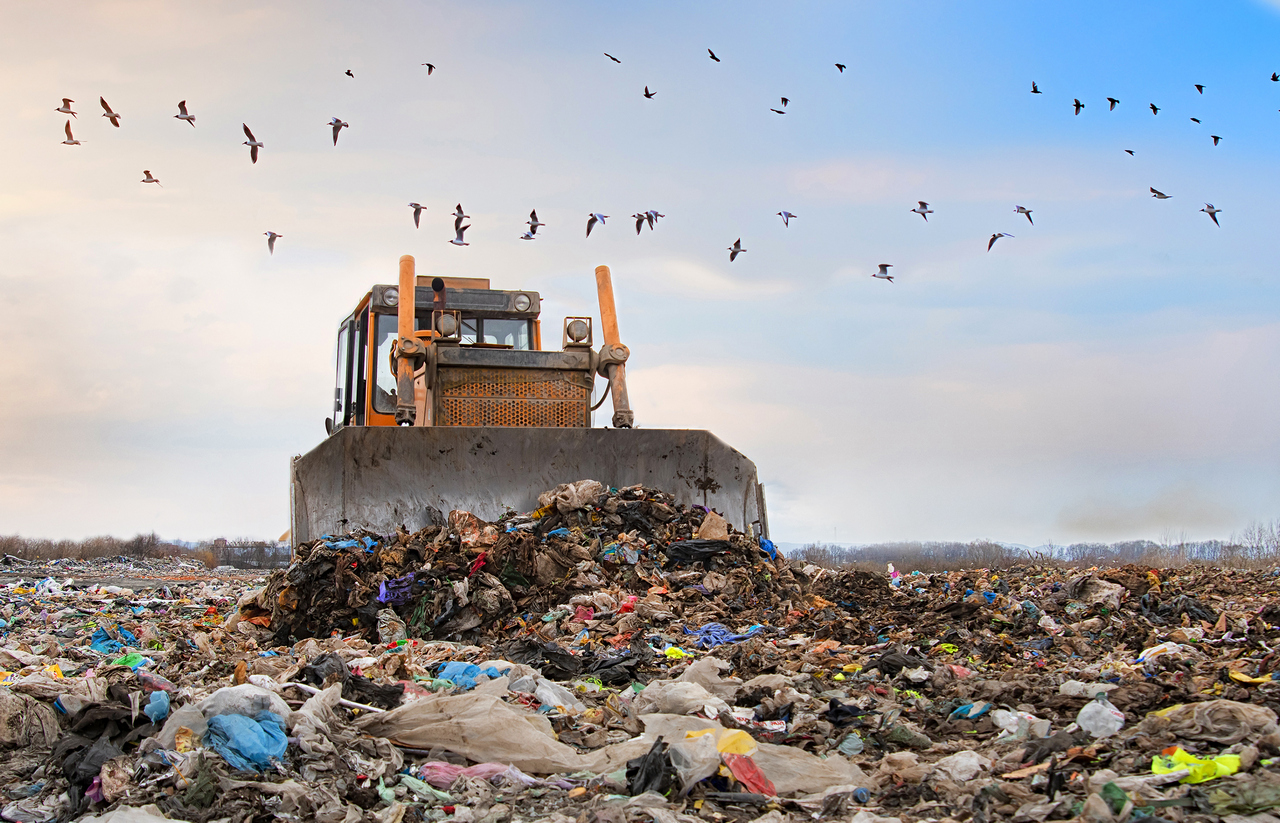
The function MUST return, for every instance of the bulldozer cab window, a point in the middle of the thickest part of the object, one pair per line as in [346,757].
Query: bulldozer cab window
[495,331]
[384,388]
[342,390]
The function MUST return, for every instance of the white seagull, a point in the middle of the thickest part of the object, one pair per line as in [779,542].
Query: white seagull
[735,250]
[271,241]
[594,218]
[149,179]
[534,223]
[338,126]
[1213,213]
[923,210]
[253,143]
[1159,195]
[883,274]
[109,114]
[458,241]
[640,219]
[458,217]
[1025,211]
[70,141]
[65,108]
[996,237]
[417,213]
[652,216]
[182,114]
[786,218]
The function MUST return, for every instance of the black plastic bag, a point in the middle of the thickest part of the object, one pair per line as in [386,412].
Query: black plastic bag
[694,551]
[651,772]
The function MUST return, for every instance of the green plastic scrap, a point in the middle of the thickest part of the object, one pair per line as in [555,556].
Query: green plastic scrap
[1115,797]
[423,789]
[388,796]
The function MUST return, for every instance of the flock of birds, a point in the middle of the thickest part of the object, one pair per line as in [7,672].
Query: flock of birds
[649,217]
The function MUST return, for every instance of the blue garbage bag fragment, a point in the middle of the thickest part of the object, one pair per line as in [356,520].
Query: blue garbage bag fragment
[157,707]
[970,711]
[102,642]
[717,634]
[465,674]
[560,532]
[248,744]
[366,543]
[396,590]
[766,546]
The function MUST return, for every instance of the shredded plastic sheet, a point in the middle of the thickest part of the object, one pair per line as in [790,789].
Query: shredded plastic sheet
[717,634]
[248,743]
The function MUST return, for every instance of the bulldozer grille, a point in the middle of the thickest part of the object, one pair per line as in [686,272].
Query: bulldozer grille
[544,398]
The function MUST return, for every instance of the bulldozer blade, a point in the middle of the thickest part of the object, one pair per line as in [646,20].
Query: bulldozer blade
[380,478]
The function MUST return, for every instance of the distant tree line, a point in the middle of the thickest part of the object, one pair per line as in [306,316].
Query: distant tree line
[242,554]
[1258,545]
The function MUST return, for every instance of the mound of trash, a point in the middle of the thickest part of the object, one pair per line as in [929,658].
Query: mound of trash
[614,656]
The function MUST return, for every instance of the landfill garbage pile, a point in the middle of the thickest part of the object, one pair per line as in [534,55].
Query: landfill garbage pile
[124,571]
[614,656]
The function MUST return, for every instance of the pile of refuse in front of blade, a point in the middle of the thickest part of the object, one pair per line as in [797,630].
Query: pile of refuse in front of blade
[614,657]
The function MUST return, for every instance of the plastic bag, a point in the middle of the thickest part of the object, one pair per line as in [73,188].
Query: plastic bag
[962,766]
[1223,722]
[706,673]
[652,772]
[248,744]
[747,772]
[570,496]
[694,760]
[1202,769]
[676,697]
[245,699]
[553,694]
[391,628]
[157,708]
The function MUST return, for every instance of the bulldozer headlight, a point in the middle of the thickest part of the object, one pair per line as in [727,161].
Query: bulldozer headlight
[577,330]
[447,325]
[391,296]
[523,302]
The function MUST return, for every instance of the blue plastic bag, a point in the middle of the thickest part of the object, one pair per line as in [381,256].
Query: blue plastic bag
[248,744]
[157,708]
[465,674]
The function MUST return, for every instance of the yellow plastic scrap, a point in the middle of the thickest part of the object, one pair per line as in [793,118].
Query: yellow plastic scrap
[5,677]
[729,741]
[676,653]
[946,648]
[1202,770]
[1241,677]
[53,670]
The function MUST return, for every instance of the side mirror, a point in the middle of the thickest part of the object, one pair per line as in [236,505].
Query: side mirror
[328,425]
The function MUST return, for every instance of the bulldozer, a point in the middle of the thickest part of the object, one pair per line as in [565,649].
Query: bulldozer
[445,399]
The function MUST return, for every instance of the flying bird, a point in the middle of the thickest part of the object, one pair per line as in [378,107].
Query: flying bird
[458,217]
[1200,88]
[1213,213]
[592,219]
[65,108]
[1155,109]
[1078,105]
[611,57]
[786,218]
[1026,211]
[996,237]
[1275,78]
[458,241]
[652,216]
[253,143]
[417,214]
[1129,152]
[735,250]
[338,126]
[1216,138]
[1035,89]
[149,179]
[1159,195]
[842,67]
[713,55]
[777,111]
[883,274]
[785,101]
[1195,120]
[528,236]
[648,95]
[109,114]
[1114,102]
[430,68]
[922,209]
[534,223]
[640,218]
[182,114]
[349,74]
[70,141]
[271,241]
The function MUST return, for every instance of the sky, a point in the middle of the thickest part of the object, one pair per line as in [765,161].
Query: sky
[1108,373]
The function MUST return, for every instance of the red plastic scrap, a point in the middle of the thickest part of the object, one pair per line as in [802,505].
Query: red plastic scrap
[478,564]
[746,772]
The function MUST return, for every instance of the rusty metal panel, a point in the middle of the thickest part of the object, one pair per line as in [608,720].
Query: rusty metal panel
[543,398]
